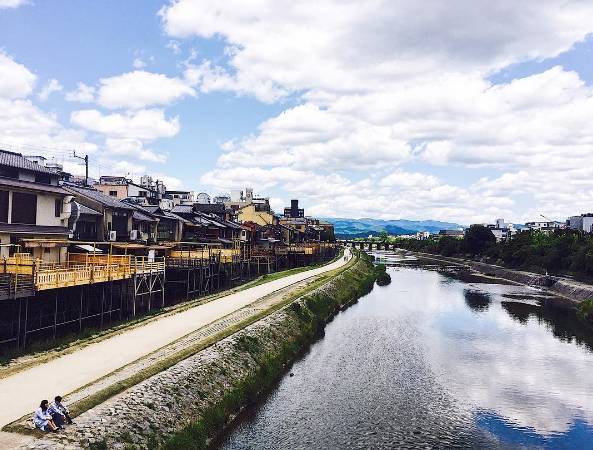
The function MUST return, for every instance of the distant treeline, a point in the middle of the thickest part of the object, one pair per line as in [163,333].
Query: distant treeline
[560,251]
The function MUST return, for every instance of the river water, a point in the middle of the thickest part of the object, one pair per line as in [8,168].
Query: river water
[434,360]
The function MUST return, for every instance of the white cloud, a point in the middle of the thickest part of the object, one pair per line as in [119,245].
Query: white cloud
[132,148]
[16,81]
[174,46]
[138,63]
[384,84]
[5,4]
[50,87]
[82,94]
[23,124]
[140,89]
[144,125]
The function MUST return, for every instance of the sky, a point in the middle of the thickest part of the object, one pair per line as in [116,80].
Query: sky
[464,111]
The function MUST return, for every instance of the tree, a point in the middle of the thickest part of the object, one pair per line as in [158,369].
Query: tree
[478,238]
[383,236]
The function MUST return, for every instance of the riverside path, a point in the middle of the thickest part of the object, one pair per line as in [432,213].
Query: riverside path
[21,392]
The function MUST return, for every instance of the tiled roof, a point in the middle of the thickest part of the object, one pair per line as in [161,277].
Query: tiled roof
[30,185]
[88,211]
[99,197]
[182,209]
[137,215]
[17,160]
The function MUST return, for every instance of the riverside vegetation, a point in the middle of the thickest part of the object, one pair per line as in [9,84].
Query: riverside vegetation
[383,278]
[558,252]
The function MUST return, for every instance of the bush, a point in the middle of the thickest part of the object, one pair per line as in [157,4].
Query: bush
[383,279]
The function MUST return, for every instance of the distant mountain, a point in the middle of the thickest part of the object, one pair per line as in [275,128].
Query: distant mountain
[363,227]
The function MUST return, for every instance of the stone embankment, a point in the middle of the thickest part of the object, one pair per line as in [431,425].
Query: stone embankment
[189,403]
[570,289]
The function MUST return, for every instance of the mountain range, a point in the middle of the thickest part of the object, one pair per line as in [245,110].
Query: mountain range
[351,228]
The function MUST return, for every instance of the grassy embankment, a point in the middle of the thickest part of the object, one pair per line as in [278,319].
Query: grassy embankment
[310,312]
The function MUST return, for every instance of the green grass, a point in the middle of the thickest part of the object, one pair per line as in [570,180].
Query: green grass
[585,310]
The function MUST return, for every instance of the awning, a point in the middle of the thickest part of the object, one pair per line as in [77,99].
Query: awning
[88,248]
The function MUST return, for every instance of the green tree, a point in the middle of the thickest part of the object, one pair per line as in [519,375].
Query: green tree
[478,238]
[383,236]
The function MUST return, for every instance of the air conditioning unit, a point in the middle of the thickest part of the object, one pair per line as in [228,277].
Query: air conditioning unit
[134,235]
[112,235]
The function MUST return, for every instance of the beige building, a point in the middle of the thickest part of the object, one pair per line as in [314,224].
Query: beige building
[251,213]
[33,209]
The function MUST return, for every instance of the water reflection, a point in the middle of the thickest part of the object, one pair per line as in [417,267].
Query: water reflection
[477,300]
[427,363]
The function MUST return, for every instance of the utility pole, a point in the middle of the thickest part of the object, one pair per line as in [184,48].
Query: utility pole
[86,164]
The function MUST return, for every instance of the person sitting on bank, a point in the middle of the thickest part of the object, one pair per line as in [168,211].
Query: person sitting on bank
[59,412]
[43,419]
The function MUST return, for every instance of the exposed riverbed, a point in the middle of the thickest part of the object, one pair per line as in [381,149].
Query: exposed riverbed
[435,360]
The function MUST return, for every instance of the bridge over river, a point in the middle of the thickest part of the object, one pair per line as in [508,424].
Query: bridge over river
[368,244]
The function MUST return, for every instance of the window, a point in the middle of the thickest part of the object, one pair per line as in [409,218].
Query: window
[24,208]
[113,193]
[58,207]
[142,193]
[4,206]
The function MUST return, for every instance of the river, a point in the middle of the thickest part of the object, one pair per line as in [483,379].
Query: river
[434,360]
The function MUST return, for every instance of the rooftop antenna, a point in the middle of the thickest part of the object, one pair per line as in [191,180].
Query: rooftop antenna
[86,164]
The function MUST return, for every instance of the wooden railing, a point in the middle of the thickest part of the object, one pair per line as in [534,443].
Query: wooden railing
[225,254]
[143,264]
[80,269]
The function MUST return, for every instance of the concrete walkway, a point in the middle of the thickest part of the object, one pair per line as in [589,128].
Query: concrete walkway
[21,393]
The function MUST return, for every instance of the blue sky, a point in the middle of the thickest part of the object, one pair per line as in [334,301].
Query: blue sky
[387,109]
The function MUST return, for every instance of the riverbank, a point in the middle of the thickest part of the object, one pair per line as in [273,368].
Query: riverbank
[183,405]
[572,290]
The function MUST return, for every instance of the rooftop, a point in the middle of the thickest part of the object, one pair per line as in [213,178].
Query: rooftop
[98,197]
[18,161]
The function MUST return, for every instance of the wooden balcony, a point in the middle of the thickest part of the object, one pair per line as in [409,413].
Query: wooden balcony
[225,255]
[80,269]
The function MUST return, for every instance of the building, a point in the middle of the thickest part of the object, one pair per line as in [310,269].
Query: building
[584,222]
[239,199]
[121,188]
[452,233]
[294,212]
[258,214]
[170,226]
[221,198]
[116,223]
[181,197]
[545,225]
[33,207]
[501,230]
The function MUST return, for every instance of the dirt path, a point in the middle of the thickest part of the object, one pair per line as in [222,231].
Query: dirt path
[21,393]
